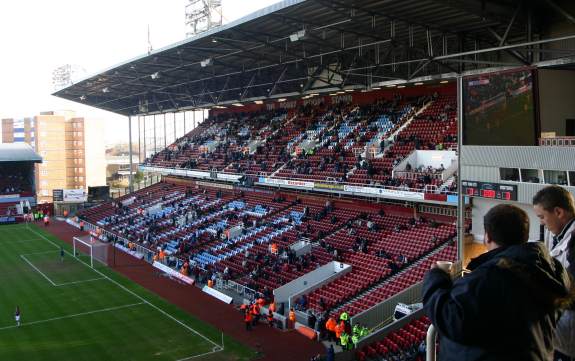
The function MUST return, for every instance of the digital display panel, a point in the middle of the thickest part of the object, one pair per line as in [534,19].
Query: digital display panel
[507,192]
[499,109]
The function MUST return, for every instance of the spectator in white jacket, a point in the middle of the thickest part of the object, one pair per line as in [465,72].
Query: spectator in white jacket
[555,207]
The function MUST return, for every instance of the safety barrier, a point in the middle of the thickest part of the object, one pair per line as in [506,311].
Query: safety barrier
[382,312]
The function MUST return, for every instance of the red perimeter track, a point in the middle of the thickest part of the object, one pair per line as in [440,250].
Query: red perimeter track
[275,345]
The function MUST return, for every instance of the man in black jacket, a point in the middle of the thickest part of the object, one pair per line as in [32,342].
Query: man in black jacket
[507,307]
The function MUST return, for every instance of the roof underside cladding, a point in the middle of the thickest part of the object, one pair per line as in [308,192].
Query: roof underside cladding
[344,43]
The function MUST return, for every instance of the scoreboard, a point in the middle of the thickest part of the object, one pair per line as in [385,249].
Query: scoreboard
[506,192]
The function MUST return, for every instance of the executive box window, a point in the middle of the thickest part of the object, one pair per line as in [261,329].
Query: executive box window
[572,178]
[509,174]
[530,175]
[555,177]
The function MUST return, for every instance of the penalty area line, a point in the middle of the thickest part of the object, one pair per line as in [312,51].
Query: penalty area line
[24,324]
[216,346]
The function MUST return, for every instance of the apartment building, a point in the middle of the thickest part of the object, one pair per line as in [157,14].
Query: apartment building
[72,149]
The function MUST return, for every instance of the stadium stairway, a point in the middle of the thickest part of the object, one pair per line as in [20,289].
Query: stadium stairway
[398,131]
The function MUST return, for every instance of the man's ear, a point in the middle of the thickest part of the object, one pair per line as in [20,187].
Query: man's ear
[558,212]
[488,242]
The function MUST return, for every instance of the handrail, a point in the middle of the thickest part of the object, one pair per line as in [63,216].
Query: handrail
[430,351]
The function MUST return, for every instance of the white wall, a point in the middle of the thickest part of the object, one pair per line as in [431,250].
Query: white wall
[434,158]
[482,206]
[95,152]
[556,94]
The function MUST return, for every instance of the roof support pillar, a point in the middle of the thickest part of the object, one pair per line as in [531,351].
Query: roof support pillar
[145,140]
[155,148]
[165,133]
[460,195]
[139,139]
[130,176]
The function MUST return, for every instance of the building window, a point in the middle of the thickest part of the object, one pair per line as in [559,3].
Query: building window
[555,177]
[572,178]
[509,174]
[530,176]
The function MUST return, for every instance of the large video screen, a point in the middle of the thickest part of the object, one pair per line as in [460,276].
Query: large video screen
[499,109]
[101,193]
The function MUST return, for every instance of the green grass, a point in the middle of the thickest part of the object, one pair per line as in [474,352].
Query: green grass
[73,312]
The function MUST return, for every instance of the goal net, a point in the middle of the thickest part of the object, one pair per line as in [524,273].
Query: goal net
[90,249]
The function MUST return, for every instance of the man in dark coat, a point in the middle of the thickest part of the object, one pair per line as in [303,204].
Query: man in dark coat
[508,306]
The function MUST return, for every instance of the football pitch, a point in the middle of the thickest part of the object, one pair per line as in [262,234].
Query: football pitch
[70,311]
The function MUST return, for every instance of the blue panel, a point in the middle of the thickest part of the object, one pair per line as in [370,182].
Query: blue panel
[453,199]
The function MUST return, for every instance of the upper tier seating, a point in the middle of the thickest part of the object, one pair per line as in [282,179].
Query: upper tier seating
[320,143]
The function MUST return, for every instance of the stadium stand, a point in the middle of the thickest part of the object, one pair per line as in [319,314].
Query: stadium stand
[388,252]
[407,343]
[342,143]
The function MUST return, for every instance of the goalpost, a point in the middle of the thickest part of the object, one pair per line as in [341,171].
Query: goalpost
[91,247]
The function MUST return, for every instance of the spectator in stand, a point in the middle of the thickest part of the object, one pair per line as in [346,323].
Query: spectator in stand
[508,306]
[555,208]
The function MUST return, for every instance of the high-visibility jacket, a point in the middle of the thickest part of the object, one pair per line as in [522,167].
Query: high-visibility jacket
[273,307]
[261,302]
[354,340]
[292,316]
[255,309]
[248,317]
[331,324]
[339,330]
[344,339]
[344,316]
[356,329]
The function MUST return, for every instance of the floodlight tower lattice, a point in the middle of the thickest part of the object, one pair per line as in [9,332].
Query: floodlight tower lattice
[203,15]
[66,75]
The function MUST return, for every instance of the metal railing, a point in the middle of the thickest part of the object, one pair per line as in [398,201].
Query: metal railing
[382,312]
[557,142]
[430,344]
[148,181]
[240,289]
[416,175]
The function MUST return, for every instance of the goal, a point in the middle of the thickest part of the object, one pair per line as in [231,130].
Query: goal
[91,247]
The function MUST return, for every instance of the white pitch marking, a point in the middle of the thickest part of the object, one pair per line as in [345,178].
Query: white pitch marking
[72,316]
[37,270]
[216,346]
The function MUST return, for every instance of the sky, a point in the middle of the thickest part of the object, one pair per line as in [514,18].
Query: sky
[37,36]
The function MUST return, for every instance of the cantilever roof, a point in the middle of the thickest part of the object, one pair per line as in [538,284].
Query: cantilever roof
[16,152]
[297,47]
